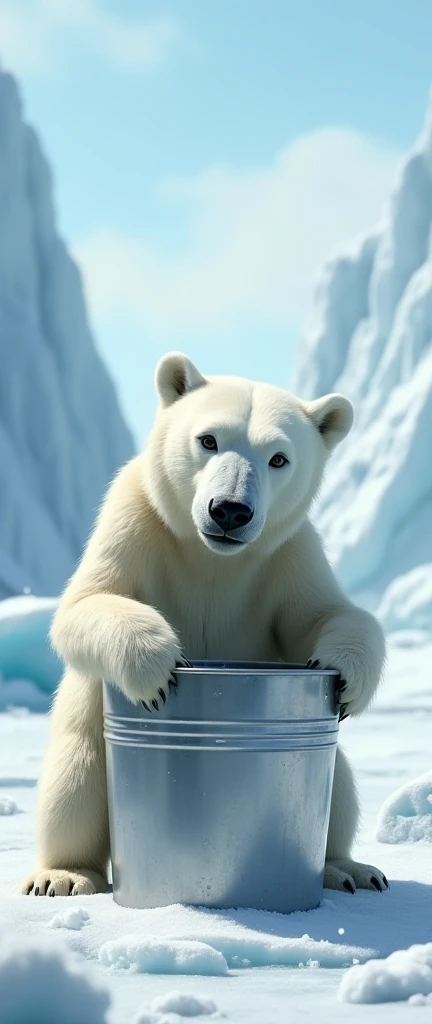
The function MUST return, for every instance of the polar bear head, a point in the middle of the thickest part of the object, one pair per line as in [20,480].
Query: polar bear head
[234,461]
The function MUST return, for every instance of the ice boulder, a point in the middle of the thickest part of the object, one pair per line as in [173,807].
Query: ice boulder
[25,651]
[401,977]
[406,816]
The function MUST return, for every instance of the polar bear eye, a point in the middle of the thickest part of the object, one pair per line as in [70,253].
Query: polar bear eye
[209,443]
[278,461]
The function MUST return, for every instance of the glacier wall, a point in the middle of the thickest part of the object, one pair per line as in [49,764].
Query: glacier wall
[370,337]
[62,435]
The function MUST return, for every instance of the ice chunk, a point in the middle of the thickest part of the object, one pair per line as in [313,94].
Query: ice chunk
[406,816]
[165,956]
[25,650]
[405,973]
[8,806]
[75,918]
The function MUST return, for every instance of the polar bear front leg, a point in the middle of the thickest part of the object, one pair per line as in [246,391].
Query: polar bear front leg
[341,872]
[107,636]
[73,836]
[352,642]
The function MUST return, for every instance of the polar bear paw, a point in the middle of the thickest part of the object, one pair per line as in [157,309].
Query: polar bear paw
[148,677]
[349,875]
[356,687]
[64,883]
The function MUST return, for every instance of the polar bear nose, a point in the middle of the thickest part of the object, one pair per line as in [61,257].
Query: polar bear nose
[230,515]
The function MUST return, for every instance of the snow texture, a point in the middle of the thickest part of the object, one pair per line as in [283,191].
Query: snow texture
[388,746]
[74,918]
[406,816]
[405,973]
[370,337]
[42,984]
[62,435]
[170,956]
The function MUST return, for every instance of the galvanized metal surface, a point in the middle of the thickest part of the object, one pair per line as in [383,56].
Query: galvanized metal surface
[222,798]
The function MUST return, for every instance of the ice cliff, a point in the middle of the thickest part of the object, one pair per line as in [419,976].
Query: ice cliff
[62,435]
[370,337]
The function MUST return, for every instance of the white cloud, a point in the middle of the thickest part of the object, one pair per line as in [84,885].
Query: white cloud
[23,39]
[34,35]
[256,238]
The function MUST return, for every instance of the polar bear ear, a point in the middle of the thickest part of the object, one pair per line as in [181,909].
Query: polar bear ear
[175,376]
[333,416]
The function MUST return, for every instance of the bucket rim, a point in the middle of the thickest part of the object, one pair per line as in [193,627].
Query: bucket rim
[252,668]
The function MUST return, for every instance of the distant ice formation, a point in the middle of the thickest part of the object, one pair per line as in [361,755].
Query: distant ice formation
[62,435]
[370,337]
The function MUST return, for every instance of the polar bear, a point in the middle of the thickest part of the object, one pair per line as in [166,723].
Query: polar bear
[203,549]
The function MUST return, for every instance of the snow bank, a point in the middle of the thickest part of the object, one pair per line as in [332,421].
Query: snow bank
[406,817]
[62,435]
[404,974]
[25,650]
[42,983]
[169,956]
[370,337]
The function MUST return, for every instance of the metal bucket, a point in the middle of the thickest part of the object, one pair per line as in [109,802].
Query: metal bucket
[222,798]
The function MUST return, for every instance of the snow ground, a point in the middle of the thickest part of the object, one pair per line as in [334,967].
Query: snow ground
[389,747]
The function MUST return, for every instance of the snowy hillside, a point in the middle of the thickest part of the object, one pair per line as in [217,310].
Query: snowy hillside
[62,435]
[370,337]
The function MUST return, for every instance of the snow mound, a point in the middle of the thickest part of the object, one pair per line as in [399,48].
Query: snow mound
[185,1004]
[169,956]
[419,1000]
[404,974]
[147,1017]
[23,694]
[25,650]
[406,817]
[42,984]
[73,919]
[370,337]
[62,435]
[8,806]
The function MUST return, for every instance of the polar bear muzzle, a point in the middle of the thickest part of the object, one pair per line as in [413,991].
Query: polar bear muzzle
[228,510]
[230,517]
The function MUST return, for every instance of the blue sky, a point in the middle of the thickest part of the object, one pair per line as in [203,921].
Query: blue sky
[207,156]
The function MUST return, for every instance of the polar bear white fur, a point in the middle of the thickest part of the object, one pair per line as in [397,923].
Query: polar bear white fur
[231,468]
